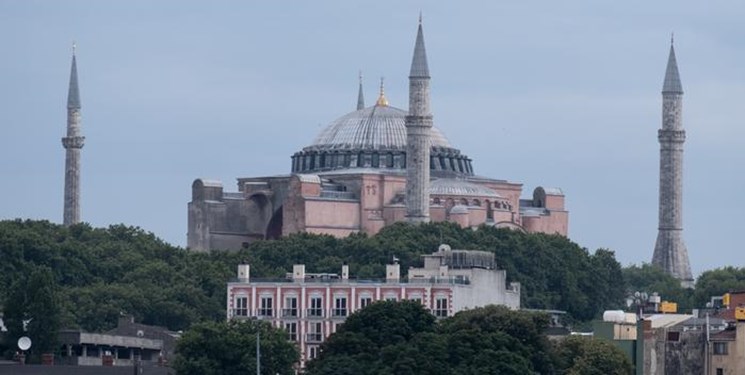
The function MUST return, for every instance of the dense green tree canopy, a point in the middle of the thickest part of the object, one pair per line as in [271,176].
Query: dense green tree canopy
[403,338]
[125,269]
[387,338]
[717,282]
[577,355]
[229,348]
[648,278]
[100,273]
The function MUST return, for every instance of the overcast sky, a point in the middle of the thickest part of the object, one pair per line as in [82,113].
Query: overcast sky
[549,93]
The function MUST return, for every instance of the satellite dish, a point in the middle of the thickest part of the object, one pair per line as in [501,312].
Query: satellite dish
[24,343]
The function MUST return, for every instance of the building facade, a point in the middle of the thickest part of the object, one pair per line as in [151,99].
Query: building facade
[311,306]
[370,168]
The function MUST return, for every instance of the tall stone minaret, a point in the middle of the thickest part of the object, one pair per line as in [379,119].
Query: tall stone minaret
[670,252]
[72,143]
[418,125]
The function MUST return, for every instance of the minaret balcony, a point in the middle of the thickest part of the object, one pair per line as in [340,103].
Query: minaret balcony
[73,142]
[675,136]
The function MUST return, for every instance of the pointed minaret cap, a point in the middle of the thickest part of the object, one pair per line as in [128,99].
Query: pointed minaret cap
[360,96]
[419,67]
[672,77]
[73,93]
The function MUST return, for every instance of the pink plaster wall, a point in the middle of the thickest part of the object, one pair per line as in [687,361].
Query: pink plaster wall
[328,213]
[556,222]
[555,202]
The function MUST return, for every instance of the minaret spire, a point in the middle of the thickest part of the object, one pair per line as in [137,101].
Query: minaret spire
[360,96]
[72,143]
[418,127]
[672,77]
[670,252]
[419,66]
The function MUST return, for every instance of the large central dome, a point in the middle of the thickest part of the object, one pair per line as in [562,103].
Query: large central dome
[376,127]
[374,138]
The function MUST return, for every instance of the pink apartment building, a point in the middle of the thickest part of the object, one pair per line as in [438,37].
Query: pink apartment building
[310,306]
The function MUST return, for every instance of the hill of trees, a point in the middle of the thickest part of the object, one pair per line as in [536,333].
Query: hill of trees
[84,277]
[403,338]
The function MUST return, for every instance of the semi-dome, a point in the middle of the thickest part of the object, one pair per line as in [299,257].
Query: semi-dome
[376,127]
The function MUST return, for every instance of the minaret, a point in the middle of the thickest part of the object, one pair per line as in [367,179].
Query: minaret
[72,143]
[670,252]
[418,125]
[360,96]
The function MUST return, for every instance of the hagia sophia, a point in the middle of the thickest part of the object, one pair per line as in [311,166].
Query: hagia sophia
[367,169]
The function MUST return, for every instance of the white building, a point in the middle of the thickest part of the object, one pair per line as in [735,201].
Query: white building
[311,306]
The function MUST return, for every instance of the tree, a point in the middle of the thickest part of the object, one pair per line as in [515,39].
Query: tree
[366,334]
[229,348]
[33,310]
[717,282]
[403,338]
[494,339]
[650,278]
[578,355]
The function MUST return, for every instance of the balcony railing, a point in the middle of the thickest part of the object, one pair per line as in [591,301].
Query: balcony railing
[313,337]
[289,313]
[338,313]
[314,313]
[265,312]
[240,313]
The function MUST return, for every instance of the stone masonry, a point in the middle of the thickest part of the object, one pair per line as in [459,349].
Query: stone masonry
[72,143]
[418,127]
[670,252]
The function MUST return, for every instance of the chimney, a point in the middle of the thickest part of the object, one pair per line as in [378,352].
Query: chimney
[345,271]
[244,272]
[298,272]
[392,272]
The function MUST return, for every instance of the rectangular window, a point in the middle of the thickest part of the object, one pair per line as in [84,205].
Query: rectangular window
[291,329]
[340,306]
[316,307]
[241,306]
[720,371]
[266,308]
[312,352]
[390,297]
[720,348]
[315,332]
[441,307]
[290,309]
[365,301]
[416,298]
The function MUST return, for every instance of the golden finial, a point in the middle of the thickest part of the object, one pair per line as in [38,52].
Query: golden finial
[382,101]
[74,46]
